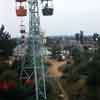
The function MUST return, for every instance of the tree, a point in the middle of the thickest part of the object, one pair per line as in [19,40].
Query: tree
[10,85]
[95,36]
[55,52]
[77,37]
[4,35]
[6,43]
[7,73]
[87,68]
[76,54]
[94,74]
[81,37]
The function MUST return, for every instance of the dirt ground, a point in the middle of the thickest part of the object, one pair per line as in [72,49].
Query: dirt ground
[53,69]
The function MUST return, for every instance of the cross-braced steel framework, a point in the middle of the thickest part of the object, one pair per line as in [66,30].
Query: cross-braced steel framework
[32,65]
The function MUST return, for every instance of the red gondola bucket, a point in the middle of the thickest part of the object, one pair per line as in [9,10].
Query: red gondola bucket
[21,11]
[21,0]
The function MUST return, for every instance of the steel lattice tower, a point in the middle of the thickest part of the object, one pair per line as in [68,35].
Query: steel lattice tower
[32,65]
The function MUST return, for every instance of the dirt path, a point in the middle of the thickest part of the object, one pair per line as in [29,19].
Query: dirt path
[55,73]
[54,68]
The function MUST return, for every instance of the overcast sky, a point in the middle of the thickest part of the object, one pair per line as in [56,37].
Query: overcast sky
[70,16]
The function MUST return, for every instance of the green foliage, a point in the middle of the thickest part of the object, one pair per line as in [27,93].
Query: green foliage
[77,37]
[55,51]
[76,54]
[6,43]
[87,67]
[4,35]
[95,36]
[8,75]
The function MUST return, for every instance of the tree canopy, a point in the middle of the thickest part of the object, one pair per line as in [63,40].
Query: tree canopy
[6,43]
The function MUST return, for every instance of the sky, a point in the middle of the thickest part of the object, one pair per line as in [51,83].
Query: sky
[70,16]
